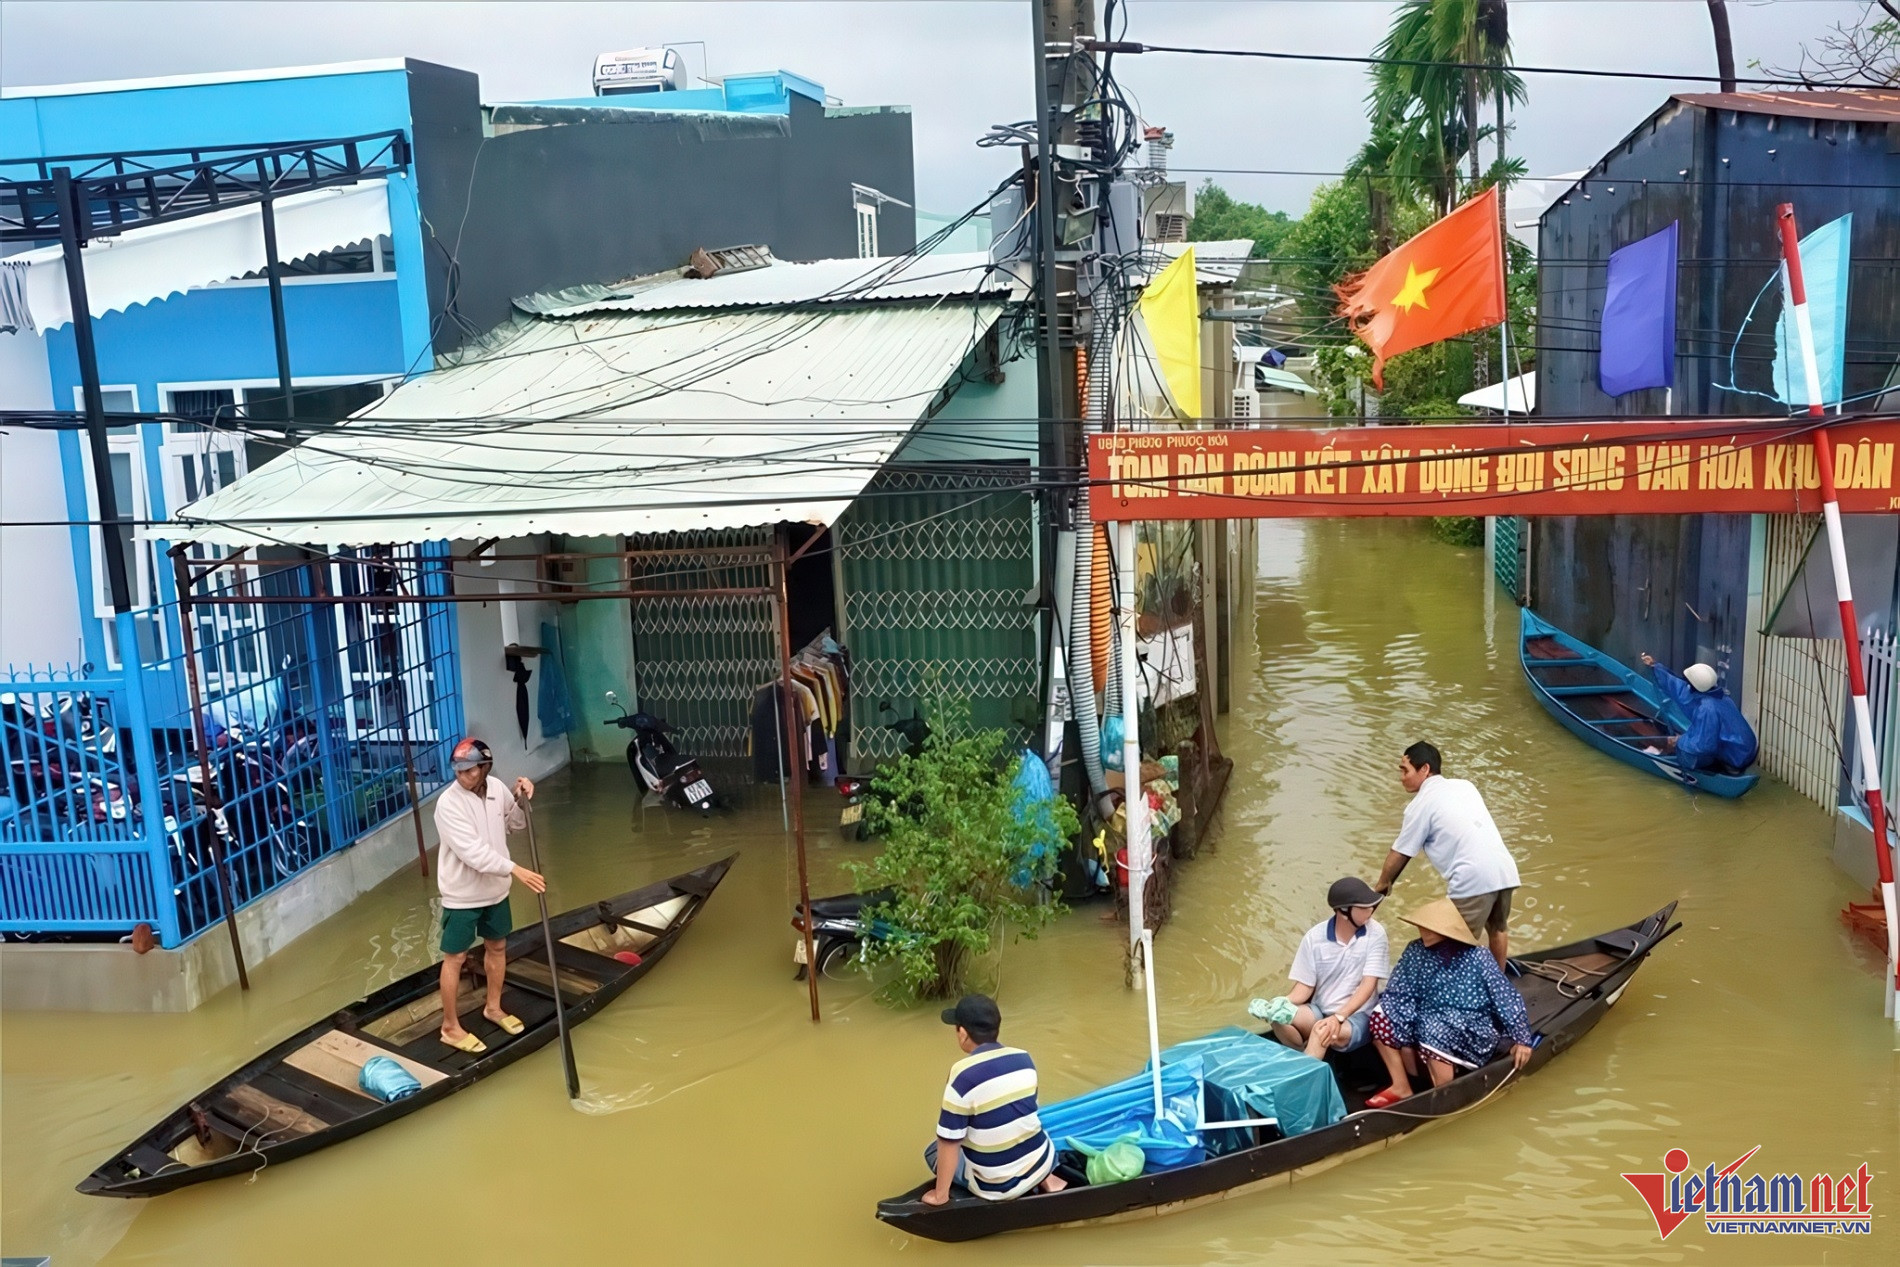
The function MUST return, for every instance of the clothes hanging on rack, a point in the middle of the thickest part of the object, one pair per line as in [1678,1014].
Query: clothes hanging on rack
[821,711]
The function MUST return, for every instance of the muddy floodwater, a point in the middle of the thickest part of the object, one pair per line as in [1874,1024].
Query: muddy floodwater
[720,1126]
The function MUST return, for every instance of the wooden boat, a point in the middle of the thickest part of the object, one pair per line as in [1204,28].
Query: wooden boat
[1612,707]
[303,1094]
[1566,990]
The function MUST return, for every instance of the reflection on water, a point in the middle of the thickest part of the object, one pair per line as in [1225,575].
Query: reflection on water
[719,1125]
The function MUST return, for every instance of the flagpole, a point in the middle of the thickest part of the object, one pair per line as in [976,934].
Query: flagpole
[1797,293]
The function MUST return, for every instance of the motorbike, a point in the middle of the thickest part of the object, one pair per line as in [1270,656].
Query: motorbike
[839,931]
[660,767]
[856,789]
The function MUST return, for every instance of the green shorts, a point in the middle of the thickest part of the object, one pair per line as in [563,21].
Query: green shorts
[462,929]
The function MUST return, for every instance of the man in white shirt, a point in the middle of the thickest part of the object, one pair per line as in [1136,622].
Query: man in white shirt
[1338,970]
[1447,819]
[473,817]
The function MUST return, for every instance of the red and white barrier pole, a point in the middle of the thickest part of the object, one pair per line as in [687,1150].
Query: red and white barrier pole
[1797,293]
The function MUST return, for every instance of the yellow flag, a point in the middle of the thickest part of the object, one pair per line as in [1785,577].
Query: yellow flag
[1172,311]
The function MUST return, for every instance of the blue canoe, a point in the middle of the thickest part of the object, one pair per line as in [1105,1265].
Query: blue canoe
[1611,707]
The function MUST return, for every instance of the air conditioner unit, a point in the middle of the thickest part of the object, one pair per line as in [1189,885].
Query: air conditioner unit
[1246,402]
[638,70]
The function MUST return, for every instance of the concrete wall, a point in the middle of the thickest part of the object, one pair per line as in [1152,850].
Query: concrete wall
[39,598]
[488,688]
[114,978]
[613,194]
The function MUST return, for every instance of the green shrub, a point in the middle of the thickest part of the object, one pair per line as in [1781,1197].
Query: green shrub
[963,865]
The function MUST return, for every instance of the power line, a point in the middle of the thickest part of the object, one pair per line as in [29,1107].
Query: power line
[1127,47]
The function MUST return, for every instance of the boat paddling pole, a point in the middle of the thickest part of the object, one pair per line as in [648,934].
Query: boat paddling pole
[554,972]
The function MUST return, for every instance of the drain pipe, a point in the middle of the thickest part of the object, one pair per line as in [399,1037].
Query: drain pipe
[1056,706]
[1088,723]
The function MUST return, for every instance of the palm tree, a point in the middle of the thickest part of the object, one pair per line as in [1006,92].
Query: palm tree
[1426,95]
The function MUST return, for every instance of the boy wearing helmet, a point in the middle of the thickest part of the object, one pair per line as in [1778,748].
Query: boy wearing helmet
[1337,972]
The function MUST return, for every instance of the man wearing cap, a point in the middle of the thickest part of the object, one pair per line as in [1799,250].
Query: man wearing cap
[1337,971]
[1449,822]
[989,1136]
[473,817]
[1719,738]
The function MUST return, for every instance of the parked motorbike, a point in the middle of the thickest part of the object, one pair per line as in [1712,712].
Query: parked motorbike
[839,931]
[856,789]
[659,766]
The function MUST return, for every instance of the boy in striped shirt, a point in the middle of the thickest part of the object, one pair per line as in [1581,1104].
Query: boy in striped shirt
[989,1138]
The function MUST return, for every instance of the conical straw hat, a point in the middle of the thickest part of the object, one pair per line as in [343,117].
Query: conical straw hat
[1442,917]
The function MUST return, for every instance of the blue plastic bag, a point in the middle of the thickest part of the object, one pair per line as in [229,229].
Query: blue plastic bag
[387,1080]
[1031,806]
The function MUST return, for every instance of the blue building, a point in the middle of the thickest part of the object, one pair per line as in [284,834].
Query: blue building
[474,204]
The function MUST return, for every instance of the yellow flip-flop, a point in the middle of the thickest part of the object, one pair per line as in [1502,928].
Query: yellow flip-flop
[467,1042]
[511,1024]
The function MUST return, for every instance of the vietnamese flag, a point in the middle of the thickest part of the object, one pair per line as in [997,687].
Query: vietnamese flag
[1445,282]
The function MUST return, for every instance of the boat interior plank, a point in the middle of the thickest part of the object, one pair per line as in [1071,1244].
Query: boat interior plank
[263,1117]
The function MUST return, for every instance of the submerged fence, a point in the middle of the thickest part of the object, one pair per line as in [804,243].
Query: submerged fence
[314,712]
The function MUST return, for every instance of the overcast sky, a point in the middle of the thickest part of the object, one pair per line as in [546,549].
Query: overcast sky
[960,65]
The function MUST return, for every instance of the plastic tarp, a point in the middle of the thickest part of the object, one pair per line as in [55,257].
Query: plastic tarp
[1248,1076]
[1127,1109]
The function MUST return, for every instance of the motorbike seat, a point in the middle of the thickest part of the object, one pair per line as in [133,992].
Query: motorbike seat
[847,905]
[669,763]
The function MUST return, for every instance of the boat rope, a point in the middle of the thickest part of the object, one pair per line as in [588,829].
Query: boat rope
[1559,972]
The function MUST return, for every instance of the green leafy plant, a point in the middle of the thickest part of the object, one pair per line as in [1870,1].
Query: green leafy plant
[961,860]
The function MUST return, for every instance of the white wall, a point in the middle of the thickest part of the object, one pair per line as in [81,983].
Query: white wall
[488,688]
[39,598]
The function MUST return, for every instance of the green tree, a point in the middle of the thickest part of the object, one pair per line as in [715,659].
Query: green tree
[963,859]
[1219,217]
[1425,103]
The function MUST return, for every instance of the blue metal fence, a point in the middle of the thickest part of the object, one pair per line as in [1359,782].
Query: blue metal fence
[313,710]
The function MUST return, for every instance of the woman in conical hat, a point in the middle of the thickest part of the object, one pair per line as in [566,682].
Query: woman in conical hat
[1447,1004]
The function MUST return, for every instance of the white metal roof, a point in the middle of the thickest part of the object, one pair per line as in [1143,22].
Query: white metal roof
[614,423]
[156,261]
[1523,395]
[1214,262]
[824,281]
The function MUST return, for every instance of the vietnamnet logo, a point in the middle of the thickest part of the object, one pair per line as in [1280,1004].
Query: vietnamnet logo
[1733,1204]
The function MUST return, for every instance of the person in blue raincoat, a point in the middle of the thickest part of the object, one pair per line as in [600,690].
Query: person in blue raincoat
[1719,738]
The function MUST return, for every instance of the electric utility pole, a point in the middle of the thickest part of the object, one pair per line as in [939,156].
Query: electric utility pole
[1058,25]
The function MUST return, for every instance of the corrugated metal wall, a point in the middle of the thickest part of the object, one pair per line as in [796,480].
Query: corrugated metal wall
[1801,681]
[939,600]
[698,659]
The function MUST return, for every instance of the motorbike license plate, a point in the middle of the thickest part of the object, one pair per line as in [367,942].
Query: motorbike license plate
[698,791]
[798,950]
[853,814]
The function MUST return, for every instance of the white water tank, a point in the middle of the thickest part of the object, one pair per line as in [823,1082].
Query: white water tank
[638,70]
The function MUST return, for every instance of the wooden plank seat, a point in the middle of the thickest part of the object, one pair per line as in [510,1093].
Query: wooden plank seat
[337,1059]
[1604,688]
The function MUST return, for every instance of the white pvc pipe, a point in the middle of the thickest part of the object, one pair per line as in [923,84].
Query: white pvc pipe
[1134,800]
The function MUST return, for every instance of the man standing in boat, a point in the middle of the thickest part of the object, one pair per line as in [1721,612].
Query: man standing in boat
[1447,819]
[1719,738]
[473,817]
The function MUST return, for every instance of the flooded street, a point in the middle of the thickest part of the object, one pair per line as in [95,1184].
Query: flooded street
[720,1126]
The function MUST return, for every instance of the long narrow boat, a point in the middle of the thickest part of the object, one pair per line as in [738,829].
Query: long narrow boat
[1567,990]
[1611,707]
[304,1093]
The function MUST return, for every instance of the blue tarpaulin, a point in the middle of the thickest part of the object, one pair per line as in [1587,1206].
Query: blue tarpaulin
[1248,1076]
[1824,260]
[1127,1108]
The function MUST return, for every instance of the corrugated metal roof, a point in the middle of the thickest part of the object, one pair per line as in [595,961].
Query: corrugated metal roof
[1846,104]
[823,282]
[614,423]
[1215,263]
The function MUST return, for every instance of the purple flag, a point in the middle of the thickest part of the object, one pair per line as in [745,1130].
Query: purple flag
[1639,316]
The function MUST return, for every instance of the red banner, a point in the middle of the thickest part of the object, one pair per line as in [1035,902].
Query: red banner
[1651,467]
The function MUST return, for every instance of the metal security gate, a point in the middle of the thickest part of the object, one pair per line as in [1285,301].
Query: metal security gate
[699,657]
[938,590]
[1510,547]
[1800,682]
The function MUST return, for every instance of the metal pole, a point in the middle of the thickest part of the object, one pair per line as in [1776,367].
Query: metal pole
[1134,801]
[278,330]
[1504,245]
[1850,624]
[409,752]
[75,222]
[554,971]
[214,806]
[796,774]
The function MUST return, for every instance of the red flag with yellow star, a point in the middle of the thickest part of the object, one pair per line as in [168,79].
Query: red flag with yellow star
[1446,281]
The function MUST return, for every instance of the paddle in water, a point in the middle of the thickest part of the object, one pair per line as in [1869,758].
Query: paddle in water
[554,972]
